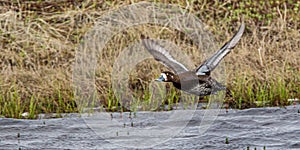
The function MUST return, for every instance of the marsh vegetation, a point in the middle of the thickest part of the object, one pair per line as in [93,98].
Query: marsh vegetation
[38,41]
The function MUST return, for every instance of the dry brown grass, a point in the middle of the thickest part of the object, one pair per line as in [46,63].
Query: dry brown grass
[39,40]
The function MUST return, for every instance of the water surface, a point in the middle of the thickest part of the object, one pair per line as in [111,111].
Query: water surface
[273,128]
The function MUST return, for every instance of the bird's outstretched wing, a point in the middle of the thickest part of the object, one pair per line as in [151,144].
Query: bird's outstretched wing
[210,64]
[163,56]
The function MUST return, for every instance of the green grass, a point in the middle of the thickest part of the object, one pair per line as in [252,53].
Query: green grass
[275,92]
[13,105]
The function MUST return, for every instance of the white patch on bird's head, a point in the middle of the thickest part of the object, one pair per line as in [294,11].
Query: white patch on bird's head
[164,76]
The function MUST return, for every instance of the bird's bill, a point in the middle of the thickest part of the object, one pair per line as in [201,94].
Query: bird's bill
[160,79]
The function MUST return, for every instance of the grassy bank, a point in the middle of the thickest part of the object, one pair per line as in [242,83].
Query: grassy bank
[39,40]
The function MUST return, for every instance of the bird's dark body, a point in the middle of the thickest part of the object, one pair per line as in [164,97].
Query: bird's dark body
[198,85]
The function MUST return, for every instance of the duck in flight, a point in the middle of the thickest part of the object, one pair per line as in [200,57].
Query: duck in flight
[197,81]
